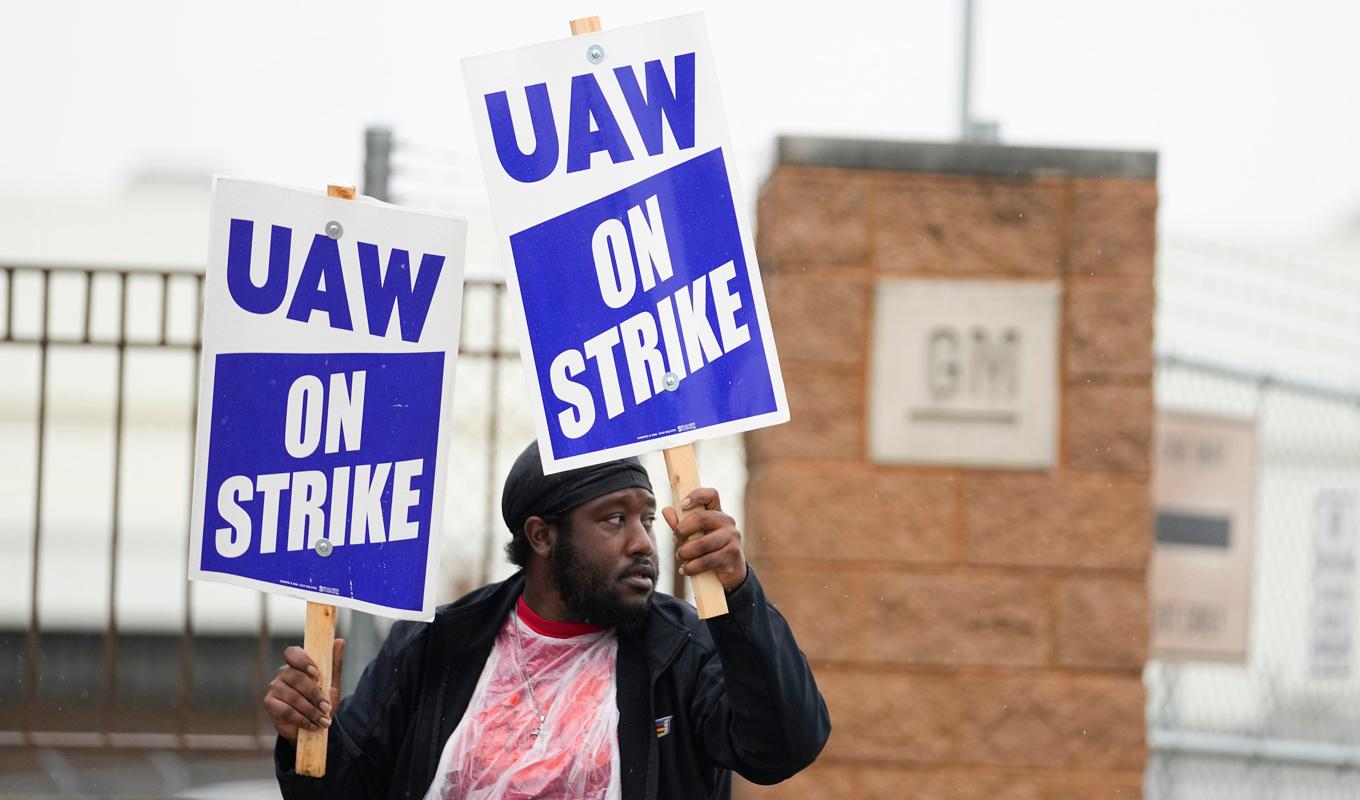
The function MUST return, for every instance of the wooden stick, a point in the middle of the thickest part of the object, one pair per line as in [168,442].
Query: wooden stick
[319,642]
[680,463]
[683,470]
[585,25]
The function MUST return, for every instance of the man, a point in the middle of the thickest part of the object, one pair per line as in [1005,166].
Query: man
[572,679]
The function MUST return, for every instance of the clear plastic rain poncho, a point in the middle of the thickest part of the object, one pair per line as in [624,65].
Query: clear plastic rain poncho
[493,753]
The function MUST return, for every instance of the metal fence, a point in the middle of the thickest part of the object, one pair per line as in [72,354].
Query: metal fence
[1275,726]
[102,640]
[1273,338]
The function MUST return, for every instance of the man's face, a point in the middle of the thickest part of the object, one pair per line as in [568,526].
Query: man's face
[604,562]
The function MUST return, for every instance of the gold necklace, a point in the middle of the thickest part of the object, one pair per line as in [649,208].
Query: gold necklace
[524,673]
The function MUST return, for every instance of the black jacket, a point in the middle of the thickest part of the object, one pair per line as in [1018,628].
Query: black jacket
[737,689]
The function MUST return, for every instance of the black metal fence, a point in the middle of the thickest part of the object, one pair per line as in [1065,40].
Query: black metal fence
[187,670]
[103,642]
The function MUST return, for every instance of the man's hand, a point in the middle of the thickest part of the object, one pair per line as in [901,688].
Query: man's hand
[717,543]
[294,699]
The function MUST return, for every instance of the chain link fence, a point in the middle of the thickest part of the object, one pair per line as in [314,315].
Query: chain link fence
[1285,723]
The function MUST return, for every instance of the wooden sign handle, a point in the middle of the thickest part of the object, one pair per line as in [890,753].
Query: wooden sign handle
[683,470]
[680,463]
[319,642]
[585,25]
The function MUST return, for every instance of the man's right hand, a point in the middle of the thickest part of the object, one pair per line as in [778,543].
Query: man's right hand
[294,699]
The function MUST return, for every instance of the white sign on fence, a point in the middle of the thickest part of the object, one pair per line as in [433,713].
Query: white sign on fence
[1205,479]
[1336,527]
[642,318]
[330,337]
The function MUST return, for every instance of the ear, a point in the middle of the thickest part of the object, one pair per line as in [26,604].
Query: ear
[541,535]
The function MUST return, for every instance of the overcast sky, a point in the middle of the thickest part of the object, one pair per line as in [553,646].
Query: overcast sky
[1252,104]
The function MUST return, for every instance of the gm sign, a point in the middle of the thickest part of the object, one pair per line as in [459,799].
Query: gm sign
[965,373]
[979,362]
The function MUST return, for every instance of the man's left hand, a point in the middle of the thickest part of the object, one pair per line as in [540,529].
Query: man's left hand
[716,546]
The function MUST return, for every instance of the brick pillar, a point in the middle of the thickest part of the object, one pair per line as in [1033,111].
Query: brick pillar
[977,633]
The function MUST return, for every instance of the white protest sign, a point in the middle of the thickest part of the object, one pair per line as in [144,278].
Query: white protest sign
[642,318]
[330,338]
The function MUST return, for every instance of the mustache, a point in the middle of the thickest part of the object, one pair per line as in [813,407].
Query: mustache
[643,568]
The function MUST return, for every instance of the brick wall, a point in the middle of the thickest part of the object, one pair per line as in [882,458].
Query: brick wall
[977,634]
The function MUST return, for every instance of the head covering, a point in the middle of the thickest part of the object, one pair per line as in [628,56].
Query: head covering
[530,493]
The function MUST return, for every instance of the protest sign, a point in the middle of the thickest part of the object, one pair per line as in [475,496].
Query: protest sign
[642,319]
[609,169]
[330,337]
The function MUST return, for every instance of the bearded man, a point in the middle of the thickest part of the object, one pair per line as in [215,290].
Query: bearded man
[573,678]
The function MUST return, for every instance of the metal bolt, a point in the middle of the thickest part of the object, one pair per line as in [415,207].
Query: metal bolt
[324,547]
[334,229]
[671,381]
[594,54]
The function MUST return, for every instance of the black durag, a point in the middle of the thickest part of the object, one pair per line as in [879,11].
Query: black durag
[530,493]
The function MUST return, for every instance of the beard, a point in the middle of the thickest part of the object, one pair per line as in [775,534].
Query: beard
[586,591]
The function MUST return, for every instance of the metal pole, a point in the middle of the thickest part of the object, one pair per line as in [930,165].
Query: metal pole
[263,663]
[9,304]
[1262,379]
[33,645]
[186,644]
[1299,752]
[377,161]
[966,75]
[493,529]
[109,695]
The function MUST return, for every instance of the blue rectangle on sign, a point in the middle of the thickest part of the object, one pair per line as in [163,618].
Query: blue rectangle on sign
[335,446]
[640,312]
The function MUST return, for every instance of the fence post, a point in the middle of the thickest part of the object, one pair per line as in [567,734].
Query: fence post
[377,161]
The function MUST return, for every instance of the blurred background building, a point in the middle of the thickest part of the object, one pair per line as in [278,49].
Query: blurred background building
[116,676]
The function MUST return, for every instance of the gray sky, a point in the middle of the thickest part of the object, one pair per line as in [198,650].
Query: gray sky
[1253,103]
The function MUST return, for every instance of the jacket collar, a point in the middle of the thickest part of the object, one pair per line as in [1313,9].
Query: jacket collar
[474,619]
[664,634]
